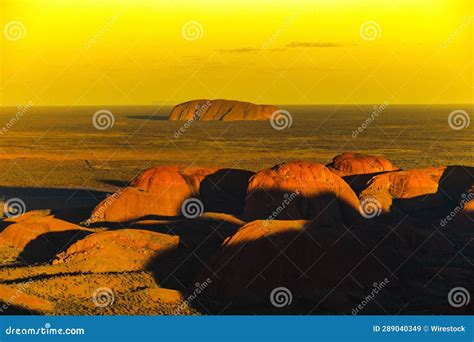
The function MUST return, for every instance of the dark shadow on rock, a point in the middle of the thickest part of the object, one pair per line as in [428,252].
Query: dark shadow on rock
[456,180]
[17,310]
[46,246]
[149,117]
[73,215]
[225,191]
[330,272]
[115,182]
[359,182]
[199,240]
[157,220]
[53,198]
[326,207]
[454,185]
[43,277]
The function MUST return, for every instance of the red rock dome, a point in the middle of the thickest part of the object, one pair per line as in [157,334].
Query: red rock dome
[299,190]
[221,110]
[348,164]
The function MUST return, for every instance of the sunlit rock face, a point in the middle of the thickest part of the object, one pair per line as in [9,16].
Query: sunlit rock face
[221,110]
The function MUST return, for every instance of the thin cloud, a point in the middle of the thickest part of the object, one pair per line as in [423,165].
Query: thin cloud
[239,50]
[313,45]
[249,50]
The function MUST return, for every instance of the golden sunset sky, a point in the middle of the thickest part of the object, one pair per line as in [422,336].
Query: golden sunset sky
[96,52]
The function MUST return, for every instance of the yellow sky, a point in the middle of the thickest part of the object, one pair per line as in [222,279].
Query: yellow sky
[83,52]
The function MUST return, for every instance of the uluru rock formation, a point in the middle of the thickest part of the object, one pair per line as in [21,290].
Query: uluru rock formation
[299,190]
[161,191]
[349,163]
[221,110]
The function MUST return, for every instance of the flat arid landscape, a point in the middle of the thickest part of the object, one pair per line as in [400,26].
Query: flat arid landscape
[60,147]
[236,158]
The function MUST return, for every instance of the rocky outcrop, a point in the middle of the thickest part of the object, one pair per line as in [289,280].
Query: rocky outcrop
[302,257]
[117,250]
[221,110]
[349,163]
[299,190]
[39,238]
[15,295]
[388,190]
[293,238]
[307,262]
[163,190]
[431,190]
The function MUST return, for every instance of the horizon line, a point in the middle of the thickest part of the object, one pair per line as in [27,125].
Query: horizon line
[285,104]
